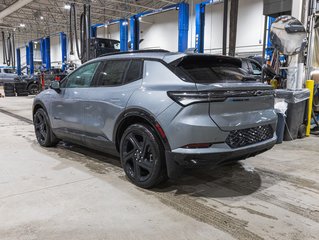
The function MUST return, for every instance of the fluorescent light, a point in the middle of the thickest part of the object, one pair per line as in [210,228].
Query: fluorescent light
[67,6]
[22,25]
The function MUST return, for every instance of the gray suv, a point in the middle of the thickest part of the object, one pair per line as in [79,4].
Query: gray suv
[160,112]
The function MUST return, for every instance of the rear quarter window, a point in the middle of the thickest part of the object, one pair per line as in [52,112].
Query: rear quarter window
[210,69]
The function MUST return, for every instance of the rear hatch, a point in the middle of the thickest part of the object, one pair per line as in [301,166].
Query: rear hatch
[236,100]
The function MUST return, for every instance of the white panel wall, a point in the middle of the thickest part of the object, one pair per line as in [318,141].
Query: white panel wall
[55,51]
[160,31]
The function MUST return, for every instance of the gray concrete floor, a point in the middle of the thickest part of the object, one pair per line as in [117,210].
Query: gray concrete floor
[73,193]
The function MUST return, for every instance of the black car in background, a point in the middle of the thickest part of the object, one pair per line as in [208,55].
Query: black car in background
[252,67]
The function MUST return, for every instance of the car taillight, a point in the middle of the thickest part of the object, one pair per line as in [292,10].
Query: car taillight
[190,97]
[187,98]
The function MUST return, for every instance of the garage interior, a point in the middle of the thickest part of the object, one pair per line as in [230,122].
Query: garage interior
[73,192]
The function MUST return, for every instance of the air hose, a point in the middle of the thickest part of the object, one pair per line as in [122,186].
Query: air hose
[8,49]
[83,49]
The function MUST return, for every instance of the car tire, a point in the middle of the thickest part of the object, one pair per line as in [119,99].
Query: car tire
[33,89]
[43,131]
[142,156]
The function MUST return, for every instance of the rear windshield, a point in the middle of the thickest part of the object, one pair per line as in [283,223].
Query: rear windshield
[212,69]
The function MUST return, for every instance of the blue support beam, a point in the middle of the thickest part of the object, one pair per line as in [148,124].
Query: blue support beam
[200,27]
[63,42]
[183,26]
[47,54]
[18,53]
[135,32]
[269,49]
[42,50]
[31,61]
[27,54]
[94,27]
[200,24]
[123,35]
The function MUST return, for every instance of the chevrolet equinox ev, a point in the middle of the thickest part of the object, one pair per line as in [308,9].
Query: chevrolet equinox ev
[160,112]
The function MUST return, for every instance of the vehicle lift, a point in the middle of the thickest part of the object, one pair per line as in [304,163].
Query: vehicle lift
[183,25]
[123,23]
[200,24]
[45,54]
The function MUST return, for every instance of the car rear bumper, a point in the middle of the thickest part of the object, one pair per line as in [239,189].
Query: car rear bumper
[218,154]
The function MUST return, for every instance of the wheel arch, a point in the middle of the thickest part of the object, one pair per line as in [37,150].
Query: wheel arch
[133,116]
[38,104]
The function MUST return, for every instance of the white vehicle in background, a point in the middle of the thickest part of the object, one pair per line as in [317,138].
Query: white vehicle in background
[7,75]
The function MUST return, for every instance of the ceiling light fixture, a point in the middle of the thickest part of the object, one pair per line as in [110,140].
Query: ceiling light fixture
[67,6]
[41,17]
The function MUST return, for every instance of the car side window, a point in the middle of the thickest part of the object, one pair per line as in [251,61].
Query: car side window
[82,77]
[256,68]
[112,73]
[135,71]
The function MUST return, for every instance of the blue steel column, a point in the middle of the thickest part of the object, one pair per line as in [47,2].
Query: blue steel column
[269,49]
[93,31]
[94,27]
[42,50]
[27,54]
[123,35]
[63,42]
[47,54]
[31,58]
[18,52]
[135,32]
[200,27]
[183,26]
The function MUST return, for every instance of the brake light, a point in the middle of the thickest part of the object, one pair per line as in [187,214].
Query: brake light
[188,98]
[191,97]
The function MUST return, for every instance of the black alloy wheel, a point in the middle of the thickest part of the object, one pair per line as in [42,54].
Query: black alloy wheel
[43,130]
[142,156]
[33,89]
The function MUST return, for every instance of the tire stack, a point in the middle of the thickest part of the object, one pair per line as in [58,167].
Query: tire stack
[21,89]
[9,90]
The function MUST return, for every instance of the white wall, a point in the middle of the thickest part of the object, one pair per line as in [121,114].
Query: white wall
[161,30]
[250,27]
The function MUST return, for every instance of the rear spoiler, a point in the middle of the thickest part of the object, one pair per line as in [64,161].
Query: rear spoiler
[207,59]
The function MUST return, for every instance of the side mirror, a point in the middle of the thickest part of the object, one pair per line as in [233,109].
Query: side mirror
[55,85]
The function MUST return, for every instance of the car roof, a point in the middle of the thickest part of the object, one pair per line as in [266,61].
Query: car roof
[150,54]
[163,55]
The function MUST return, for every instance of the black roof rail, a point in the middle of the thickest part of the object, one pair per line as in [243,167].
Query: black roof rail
[136,51]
